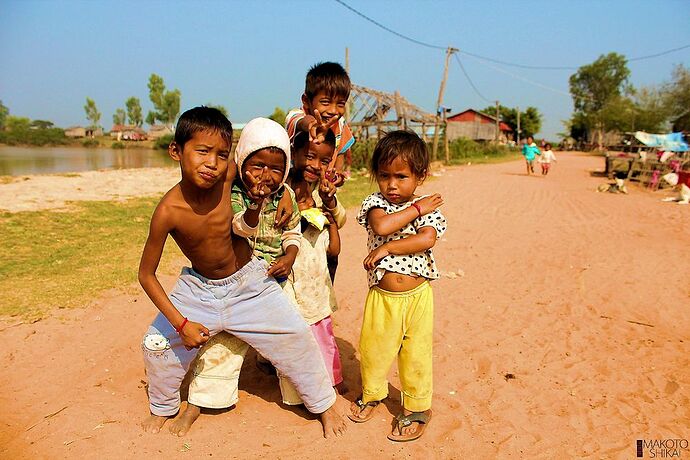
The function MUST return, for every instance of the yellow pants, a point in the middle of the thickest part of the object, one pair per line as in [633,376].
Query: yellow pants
[398,324]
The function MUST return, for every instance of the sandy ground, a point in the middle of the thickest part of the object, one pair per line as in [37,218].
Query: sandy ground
[54,191]
[562,330]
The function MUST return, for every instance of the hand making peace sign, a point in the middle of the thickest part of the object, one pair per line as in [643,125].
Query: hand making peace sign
[256,187]
[319,128]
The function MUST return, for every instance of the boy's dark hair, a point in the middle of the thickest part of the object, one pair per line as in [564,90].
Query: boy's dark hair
[329,77]
[407,146]
[302,139]
[547,146]
[202,119]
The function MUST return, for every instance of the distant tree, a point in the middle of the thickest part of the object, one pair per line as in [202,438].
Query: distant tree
[119,117]
[650,112]
[134,113]
[278,116]
[677,98]
[530,119]
[151,118]
[18,123]
[165,103]
[4,113]
[598,85]
[42,124]
[222,109]
[92,113]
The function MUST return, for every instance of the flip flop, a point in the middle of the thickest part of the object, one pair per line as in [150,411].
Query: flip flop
[362,406]
[402,421]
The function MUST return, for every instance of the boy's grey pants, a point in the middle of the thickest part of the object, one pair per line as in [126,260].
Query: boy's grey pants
[251,306]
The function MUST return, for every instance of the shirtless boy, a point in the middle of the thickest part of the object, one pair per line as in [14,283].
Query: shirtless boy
[224,289]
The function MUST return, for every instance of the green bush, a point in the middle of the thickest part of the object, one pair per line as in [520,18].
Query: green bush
[163,142]
[361,153]
[33,136]
[90,143]
[460,150]
[464,149]
[117,145]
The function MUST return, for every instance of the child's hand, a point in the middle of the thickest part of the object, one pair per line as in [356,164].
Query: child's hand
[318,128]
[329,216]
[429,203]
[374,256]
[326,187]
[194,335]
[281,267]
[257,189]
[284,211]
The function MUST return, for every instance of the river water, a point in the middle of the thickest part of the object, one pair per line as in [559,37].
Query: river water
[18,161]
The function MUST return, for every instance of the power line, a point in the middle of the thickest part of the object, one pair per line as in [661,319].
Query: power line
[659,54]
[469,79]
[527,80]
[428,45]
[523,66]
[497,61]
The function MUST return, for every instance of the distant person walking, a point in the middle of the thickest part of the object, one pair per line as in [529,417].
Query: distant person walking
[530,151]
[546,158]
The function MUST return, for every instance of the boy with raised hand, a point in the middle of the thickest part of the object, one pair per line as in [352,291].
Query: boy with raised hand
[224,289]
[326,90]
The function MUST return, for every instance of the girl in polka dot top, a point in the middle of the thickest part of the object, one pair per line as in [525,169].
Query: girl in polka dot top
[398,313]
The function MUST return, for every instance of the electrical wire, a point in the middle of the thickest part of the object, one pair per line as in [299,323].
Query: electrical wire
[462,67]
[527,80]
[496,61]
[418,42]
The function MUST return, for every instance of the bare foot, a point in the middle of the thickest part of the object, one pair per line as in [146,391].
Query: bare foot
[153,423]
[333,423]
[342,388]
[181,425]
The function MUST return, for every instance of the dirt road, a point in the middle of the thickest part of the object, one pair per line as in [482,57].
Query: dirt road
[562,330]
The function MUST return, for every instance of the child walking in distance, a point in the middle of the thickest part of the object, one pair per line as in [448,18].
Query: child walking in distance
[529,151]
[398,314]
[224,289]
[546,158]
[326,90]
[262,157]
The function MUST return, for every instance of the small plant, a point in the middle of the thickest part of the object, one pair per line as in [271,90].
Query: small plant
[90,143]
[117,145]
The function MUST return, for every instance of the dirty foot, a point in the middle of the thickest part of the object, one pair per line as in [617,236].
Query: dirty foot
[333,423]
[409,425]
[181,425]
[153,423]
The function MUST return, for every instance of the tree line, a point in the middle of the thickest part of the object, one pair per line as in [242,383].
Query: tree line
[604,100]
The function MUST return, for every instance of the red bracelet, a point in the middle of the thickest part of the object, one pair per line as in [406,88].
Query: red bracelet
[418,208]
[179,329]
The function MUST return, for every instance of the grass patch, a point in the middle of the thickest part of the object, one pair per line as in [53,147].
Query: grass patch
[355,190]
[65,259]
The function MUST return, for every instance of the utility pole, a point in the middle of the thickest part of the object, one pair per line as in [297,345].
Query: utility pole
[347,69]
[445,137]
[449,52]
[517,139]
[498,125]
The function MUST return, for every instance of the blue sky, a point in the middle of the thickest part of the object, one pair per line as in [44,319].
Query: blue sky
[251,56]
